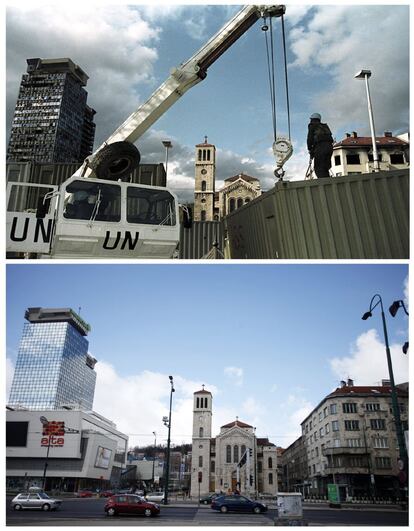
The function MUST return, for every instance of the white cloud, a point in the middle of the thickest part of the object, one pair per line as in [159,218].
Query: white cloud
[367,363]
[235,374]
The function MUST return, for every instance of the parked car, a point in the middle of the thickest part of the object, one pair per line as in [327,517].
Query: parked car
[106,493]
[157,497]
[130,504]
[35,500]
[85,493]
[237,503]
[206,500]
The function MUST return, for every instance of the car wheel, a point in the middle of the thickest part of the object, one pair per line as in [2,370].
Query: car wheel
[115,161]
[46,507]
[17,507]
[148,512]
[205,502]
[223,509]
[111,512]
[257,510]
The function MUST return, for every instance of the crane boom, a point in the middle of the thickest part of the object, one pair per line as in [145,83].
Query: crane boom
[185,77]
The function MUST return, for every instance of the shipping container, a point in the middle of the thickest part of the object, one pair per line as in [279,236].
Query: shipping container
[362,216]
[205,239]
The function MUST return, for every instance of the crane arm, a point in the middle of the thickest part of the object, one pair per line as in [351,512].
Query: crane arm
[186,76]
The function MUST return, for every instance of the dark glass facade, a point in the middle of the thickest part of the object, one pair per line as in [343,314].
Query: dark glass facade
[53,368]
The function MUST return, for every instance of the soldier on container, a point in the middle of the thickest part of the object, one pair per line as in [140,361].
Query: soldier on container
[320,145]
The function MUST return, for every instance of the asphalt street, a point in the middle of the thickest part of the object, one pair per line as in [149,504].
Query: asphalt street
[90,512]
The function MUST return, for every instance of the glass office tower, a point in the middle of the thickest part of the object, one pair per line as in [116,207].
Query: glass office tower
[53,367]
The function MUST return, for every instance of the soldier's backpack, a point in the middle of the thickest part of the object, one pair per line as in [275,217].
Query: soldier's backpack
[322,133]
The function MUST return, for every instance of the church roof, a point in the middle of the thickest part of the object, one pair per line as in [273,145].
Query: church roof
[240,176]
[202,392]
[238,423]
[264,441]
[205,144]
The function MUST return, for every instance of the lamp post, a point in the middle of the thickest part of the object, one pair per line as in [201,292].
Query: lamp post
[167,422]
[393,309]
[366,74]
[153,459]
[403,462]
[168,145]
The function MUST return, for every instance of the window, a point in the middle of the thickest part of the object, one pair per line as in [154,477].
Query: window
[316,452]
[337,443]
[270,462]
[236,454]
[372,406]
[239,202]
[213,466]
[92,200]
[332,409]
[335,425]
[353,443]
[199,154]
[380,442]
[310,425]
[383,462]
[203,215]
[243,449]
[197,402]
[270,478]
[397,158]
[200,461]
[320,415]
[349,407]
[259,466]
[371,157]
[337,160]
[326,429]
[16,433]
[203,186]
[151,207]
[315,436]
[352,425]
[357,461]
[377,424]
[325,412]
[352,158]
[201,432]
[228,454]
[321,432]
[232,204]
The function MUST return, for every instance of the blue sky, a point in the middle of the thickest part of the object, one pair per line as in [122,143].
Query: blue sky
[269,341]
[132,48]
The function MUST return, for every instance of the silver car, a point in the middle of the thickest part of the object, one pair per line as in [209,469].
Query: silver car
[34,500]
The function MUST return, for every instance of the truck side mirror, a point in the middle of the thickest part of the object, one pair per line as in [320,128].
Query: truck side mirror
[187,217]
[42,207]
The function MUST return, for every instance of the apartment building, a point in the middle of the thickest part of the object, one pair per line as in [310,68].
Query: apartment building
[350,439]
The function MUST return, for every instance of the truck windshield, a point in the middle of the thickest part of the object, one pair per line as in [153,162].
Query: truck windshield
[85,199]
[152,207]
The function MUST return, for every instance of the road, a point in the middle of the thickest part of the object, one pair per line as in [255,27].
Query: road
[89,512]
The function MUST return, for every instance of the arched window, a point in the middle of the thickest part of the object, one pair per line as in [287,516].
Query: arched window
[199,154]
[208,154]
[235,454]
[201,432]
[204,154]
[270,478]
[239,202]
[203,186]
[270,462]
[203,215]
[197,403]
[243,449]
[213,466]
[200,461]
[206,402]
[232,204]
[228,454]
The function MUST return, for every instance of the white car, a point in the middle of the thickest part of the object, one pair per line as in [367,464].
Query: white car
[157,497]
[35,500]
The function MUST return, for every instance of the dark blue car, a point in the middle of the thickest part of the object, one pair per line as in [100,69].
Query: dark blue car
[237,503]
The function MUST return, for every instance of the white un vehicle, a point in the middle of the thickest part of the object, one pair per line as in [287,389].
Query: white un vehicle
[97,213]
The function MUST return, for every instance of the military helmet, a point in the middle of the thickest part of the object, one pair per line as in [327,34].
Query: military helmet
[315,115]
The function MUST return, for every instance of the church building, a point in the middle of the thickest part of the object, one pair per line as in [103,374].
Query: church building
[234,460]
[238,190]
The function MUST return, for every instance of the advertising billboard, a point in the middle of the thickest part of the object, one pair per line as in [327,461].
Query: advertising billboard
[103,457]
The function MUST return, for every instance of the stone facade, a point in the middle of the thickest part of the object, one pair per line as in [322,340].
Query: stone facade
[236,192]
[205,176]
[215,460]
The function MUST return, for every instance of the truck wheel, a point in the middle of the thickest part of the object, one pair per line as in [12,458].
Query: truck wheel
[115,161]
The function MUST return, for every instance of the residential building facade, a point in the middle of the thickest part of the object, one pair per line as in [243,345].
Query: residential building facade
[52,121]
[234,460]
[294,465]
[53,367]
[354,155]
[350,439]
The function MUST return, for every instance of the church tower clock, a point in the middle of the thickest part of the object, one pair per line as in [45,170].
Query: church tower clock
[205,176]
[200,460]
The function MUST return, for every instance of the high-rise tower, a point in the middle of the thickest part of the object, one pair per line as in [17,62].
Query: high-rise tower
[205,176]
[52,122]
[53,366]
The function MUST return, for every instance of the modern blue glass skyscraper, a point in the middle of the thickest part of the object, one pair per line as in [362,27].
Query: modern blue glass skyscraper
[53,366]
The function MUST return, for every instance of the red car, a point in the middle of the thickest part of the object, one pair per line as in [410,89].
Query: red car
[85,493]
[106,494]
[130,504]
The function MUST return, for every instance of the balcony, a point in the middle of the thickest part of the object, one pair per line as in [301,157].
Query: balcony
[345,450]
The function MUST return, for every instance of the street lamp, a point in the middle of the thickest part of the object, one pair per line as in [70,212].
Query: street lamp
[395,406]
[153,459]
[393,309]
[167,144]
[167,422]
[366,74]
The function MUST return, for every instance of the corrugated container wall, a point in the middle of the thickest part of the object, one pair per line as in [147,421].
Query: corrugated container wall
[355,216]
[203,238]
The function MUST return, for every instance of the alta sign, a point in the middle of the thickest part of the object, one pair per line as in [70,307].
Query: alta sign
[53,434]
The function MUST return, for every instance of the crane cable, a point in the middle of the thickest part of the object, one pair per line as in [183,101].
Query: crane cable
[271,72]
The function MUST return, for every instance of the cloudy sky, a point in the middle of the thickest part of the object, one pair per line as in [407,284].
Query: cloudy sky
[269,341]
[128,50]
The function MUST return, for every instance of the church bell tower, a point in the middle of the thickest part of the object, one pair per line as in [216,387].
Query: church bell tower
[200,460]
[205,176]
